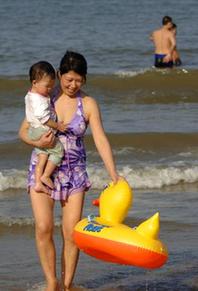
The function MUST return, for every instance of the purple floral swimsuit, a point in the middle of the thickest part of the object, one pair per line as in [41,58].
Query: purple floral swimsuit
[71,176]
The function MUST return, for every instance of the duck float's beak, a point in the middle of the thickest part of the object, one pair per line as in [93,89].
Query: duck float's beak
[96,202]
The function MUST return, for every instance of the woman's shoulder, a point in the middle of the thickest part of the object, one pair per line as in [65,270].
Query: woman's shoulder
[87,99]
[89,104]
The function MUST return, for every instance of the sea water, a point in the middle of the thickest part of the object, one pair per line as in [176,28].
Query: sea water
[150,117]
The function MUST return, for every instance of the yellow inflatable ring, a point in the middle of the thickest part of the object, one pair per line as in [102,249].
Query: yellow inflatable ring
[107,238]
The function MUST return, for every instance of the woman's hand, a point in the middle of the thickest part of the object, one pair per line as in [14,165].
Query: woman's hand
[167,58]
[47,140]
[116,178]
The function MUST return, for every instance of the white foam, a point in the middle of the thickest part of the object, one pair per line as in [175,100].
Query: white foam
[123,73]
[146,177]
[155,177]
[37,287]
[12,179]
[22,221]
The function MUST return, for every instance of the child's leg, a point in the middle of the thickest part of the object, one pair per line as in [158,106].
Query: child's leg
[42,159]
[49,169]
[54,160]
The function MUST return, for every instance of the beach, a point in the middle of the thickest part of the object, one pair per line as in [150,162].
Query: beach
[150,117]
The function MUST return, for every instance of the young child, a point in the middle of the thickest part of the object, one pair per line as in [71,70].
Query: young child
[38,114]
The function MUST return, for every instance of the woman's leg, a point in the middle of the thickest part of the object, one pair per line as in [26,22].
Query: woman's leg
[42,206]
[72,210]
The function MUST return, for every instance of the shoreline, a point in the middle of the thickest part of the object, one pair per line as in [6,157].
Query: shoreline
[21,270]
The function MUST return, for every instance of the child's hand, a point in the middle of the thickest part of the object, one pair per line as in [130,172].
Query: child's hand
[61,126]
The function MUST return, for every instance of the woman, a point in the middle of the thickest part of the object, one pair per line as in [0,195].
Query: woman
[74,108]
[176,57]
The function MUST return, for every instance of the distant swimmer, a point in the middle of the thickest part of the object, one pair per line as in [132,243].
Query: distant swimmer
[176,57]
[165,43]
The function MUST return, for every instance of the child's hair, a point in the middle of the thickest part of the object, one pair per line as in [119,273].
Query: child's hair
[39,70]
[73,61]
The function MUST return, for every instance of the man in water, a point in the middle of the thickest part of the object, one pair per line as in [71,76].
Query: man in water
[165,43]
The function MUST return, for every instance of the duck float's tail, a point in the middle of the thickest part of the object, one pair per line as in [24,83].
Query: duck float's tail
[150,228]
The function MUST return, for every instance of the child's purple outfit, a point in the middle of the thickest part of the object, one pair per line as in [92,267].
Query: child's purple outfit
[71,176]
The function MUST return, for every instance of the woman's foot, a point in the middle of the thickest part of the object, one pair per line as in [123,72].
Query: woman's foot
[53,286]
[47,181]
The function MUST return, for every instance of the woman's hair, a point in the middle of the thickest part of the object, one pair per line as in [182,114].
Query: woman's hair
[73,61]
[166,19]
[39,70]
[174,26]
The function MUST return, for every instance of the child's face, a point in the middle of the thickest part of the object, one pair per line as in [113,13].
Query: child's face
[44,86]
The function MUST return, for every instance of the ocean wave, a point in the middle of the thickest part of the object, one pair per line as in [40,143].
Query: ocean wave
[18,222]
[148,86]
[37,287]
[153,71]
[129,74]
[12,179]
[144,177]
[156,177]
[121,142]
[143,86]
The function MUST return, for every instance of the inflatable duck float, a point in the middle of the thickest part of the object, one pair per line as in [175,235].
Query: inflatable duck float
[107,238]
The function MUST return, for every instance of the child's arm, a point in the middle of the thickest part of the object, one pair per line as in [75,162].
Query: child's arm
[56,125]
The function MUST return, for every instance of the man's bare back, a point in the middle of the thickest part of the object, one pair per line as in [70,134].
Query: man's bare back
[164,41]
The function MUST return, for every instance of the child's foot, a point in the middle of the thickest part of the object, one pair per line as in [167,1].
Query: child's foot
[47,181]
[39,187]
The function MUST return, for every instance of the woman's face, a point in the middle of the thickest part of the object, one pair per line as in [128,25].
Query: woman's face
[70,83]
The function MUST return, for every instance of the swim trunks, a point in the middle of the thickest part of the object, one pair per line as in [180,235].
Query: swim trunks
[71,176]
[177,62]
[159,62]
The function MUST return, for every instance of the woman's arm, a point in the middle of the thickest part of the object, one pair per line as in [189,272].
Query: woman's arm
[46,140]
[100,138]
